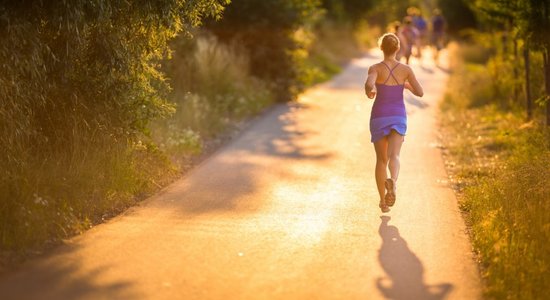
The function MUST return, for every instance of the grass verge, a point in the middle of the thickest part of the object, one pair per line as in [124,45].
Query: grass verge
[500,166]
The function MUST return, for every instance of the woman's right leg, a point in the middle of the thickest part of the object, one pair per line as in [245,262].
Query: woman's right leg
[395,140]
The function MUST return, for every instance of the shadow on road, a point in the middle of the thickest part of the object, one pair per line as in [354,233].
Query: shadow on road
[57,279]
[446,70]
[224,181]
[426,69]
[279,135]
[404,270]
[415,101]
[353,78]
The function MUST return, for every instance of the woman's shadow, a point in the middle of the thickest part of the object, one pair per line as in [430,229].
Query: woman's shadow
[405,273]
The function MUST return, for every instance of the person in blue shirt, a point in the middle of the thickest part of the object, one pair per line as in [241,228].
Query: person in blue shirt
[438,32]
[421,27]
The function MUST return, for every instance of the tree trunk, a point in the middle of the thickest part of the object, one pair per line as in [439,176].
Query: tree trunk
[546,54]
[528,83]
[516,71]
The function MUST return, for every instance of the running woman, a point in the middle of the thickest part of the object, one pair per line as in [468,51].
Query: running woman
[388,121]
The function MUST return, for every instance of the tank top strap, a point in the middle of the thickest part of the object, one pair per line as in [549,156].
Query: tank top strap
[391,72]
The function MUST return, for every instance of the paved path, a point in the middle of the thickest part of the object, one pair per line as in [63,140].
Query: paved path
[288,210]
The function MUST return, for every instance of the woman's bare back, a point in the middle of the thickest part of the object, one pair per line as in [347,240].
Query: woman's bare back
[392,73]
[385,71]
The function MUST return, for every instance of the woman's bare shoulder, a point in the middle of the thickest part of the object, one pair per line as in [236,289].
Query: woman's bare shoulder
[374,67]
[406,67]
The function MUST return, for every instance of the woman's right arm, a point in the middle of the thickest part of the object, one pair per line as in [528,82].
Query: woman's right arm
[413,85]
[370,82]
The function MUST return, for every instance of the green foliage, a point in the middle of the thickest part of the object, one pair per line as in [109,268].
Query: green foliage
[384,12]
[492,74]
[79,85]
[458,14]
[475,54]
[276,34]
[526,20]
[530,19]
[497,11]
[348,10]
[537,15]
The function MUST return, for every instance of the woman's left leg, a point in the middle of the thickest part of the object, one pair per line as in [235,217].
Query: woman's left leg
[395,140]
[380,173]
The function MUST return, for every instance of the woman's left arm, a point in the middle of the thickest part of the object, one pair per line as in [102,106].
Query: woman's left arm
[413,85]
[370,82]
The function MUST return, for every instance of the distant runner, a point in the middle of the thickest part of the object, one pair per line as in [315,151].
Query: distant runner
[422,27]
[438,33]
[411,35]
[402,41]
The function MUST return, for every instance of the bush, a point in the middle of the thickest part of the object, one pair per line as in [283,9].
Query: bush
[459,15]
[493,75]
[79,86]
[276,35]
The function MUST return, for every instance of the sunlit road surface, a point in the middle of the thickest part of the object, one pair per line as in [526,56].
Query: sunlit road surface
[288,210]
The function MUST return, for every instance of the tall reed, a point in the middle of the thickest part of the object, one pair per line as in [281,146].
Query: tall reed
[212,89]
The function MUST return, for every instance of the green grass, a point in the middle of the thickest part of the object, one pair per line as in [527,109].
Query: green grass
[500,165]
[71,191]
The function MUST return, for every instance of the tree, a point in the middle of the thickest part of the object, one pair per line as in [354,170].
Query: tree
[536,14]
[458,15]
[531,20]
[352,10]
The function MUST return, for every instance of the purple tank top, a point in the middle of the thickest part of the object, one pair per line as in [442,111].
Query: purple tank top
[389,99]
